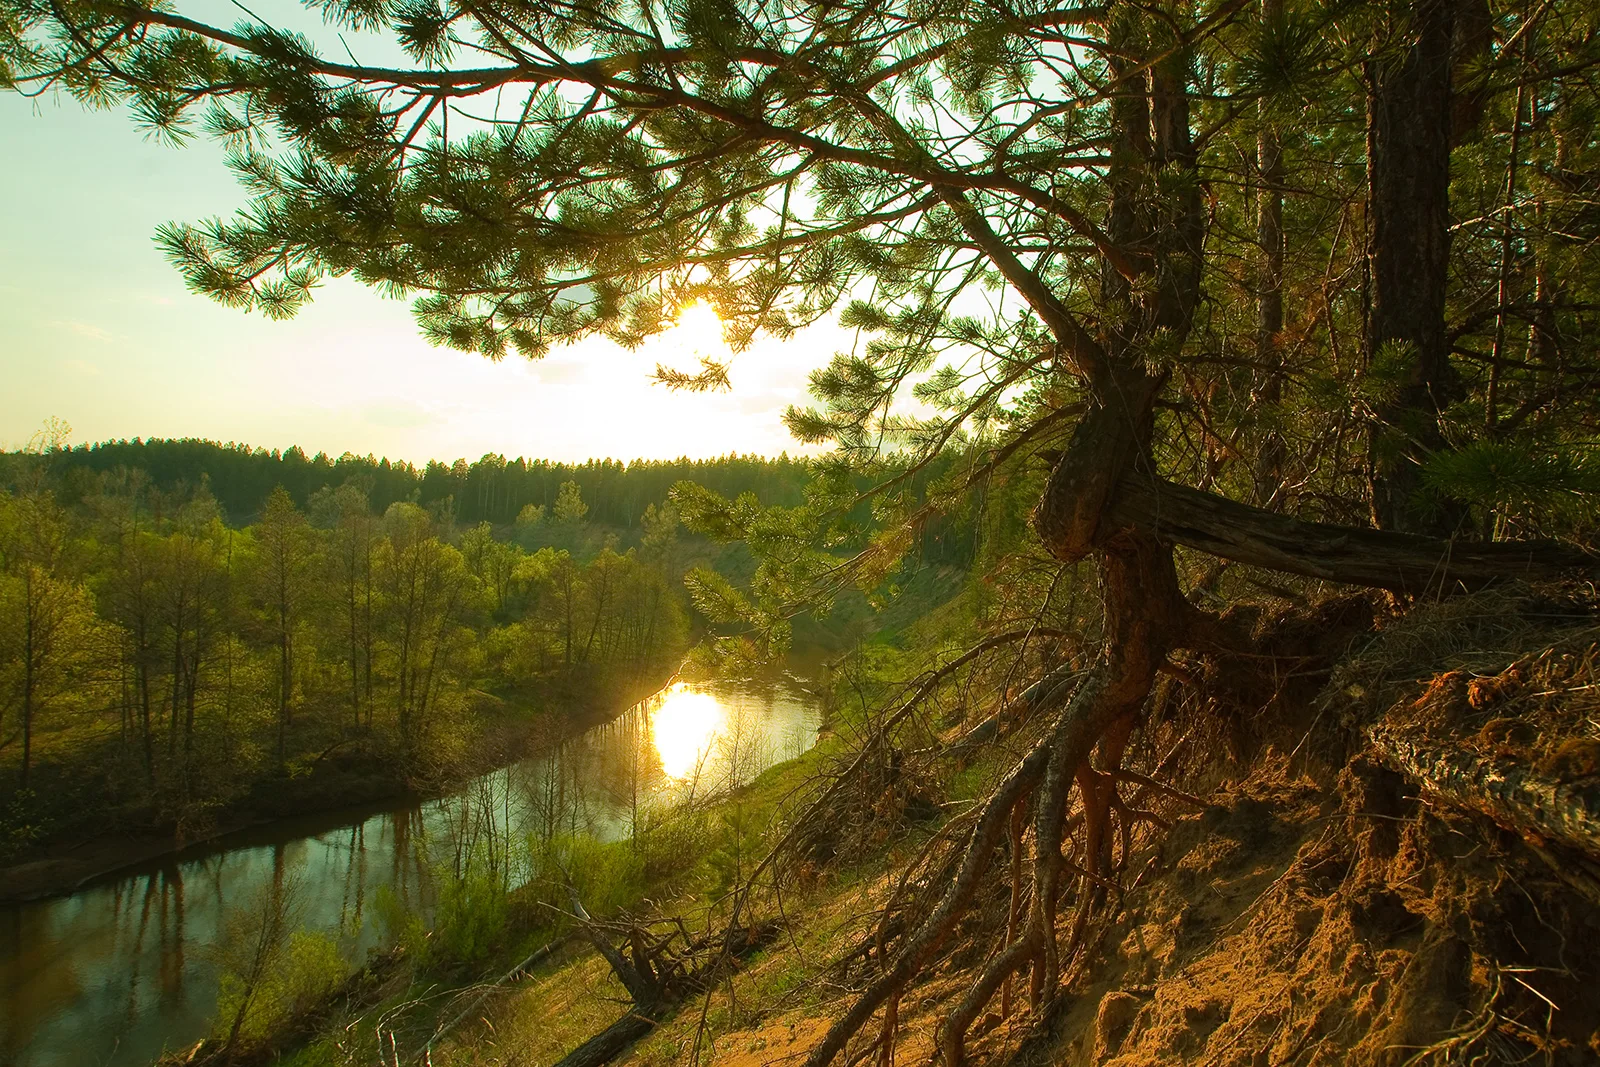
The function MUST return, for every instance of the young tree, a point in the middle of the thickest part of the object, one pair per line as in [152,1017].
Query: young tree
[348,562]
[128,599]
[570,509]
[282,573]
[45,618]
[426,594]
[190,591]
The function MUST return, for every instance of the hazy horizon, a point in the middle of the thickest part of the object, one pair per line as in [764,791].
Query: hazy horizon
[103,334]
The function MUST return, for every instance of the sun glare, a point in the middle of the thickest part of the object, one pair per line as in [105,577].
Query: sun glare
[697,330]
[685,726]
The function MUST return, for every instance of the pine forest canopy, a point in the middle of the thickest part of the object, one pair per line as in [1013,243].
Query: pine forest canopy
[1248,278]
[490,489]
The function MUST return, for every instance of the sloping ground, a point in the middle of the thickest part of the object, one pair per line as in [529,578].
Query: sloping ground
[1372,909]
[1403,875]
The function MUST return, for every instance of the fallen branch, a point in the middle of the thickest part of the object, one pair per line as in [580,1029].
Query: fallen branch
[659,968]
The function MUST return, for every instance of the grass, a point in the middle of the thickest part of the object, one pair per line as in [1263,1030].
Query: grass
[573,996]
[760,1010]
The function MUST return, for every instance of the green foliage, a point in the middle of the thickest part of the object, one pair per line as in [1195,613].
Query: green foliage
[469,919]
[1393,368]
[1284,56]
[672,846]
[608,876]
[399,924]
[738,836]
[1539,484]
[715,597]
[992,222]
[166,664]
[20,824]
[570,508]
[304,972]
[492,488]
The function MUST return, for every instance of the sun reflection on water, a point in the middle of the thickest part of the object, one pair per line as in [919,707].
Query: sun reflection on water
[685,725]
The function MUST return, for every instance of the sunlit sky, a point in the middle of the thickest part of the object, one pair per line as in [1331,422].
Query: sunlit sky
[99,330]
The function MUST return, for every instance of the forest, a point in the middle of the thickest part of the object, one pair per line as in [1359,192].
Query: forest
[159,665]
[491,489]
[1251,346]
[173,647]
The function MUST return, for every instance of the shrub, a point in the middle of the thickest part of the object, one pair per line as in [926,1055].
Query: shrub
[309,967]
[470,918]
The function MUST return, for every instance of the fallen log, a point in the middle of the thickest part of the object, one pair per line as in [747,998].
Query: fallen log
[611,1042]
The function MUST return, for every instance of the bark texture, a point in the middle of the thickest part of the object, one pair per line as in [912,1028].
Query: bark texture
[1409,131]
[1405,563]
[1514,796]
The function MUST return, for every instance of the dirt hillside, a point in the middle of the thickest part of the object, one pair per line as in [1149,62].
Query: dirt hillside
[1381,849]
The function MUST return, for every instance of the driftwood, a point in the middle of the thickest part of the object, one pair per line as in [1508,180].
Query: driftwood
[1514,796]
[1351,555]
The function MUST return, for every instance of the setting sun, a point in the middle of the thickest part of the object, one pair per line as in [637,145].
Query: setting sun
[698,326]
[695,335]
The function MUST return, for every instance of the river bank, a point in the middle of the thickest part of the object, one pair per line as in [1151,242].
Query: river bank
[345,787]
[132,965]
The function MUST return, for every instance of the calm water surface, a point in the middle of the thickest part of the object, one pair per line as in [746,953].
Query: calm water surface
[127,967]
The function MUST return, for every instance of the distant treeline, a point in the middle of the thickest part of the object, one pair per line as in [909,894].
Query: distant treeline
[493,489]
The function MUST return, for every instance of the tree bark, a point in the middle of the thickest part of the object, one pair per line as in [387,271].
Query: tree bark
[1513,796]
[1409,130]
[609,1043]
[1405,563]
[1269,287]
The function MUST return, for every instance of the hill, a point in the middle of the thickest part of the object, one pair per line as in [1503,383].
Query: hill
[1377,845]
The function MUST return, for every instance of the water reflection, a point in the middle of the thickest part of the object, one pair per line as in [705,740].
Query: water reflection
[118,971]
[685,726]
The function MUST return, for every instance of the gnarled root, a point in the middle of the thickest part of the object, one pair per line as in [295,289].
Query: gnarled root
[1515,796]
[1145,615]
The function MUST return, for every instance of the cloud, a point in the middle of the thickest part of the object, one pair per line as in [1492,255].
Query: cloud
[83,329]
[399,415]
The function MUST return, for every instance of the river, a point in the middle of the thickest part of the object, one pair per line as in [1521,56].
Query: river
[128,966]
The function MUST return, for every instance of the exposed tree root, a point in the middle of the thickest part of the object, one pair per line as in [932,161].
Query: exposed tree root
[1144,615]
[1514,796]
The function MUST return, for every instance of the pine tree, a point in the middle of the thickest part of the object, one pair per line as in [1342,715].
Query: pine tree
[1040,220]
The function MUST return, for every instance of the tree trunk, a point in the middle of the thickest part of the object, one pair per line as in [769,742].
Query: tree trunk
[29,667]
[1269,288]
[1405,563]
[1409,128]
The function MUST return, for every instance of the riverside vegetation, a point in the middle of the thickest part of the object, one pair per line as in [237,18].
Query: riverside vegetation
[179,653]
[164,669]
